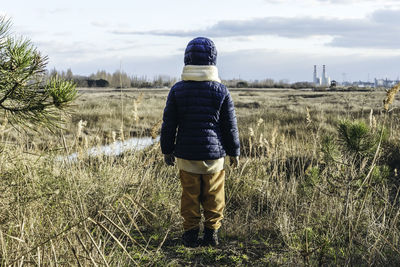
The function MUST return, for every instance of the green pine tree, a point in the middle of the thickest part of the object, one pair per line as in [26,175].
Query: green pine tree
[27,95]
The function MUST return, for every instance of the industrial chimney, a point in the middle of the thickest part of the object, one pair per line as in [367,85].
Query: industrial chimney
[323,78]
[315,75]
[316,80]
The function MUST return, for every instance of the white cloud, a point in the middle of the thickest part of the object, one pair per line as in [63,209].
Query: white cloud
[100,24]
[380,30]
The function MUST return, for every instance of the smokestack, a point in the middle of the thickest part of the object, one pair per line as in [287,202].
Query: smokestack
[325,79]
[315,75]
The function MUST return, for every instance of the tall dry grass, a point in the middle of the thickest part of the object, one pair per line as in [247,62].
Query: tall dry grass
[289,202]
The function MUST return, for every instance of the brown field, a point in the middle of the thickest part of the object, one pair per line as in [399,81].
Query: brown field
[317,185]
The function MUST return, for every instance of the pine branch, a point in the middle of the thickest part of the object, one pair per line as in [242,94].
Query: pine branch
[23,92]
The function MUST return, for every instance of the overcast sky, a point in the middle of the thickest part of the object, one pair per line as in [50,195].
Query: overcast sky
[255,39]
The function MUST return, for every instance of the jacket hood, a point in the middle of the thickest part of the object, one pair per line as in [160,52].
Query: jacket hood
[201,51]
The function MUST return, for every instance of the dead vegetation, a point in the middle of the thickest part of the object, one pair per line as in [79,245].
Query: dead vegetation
[299,197]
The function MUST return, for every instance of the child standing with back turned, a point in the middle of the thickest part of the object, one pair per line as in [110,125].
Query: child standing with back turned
[200,129]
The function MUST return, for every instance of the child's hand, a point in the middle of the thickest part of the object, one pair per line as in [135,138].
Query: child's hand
[169,159]
[234,161]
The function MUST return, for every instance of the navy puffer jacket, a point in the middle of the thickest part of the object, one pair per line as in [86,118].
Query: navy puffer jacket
[199,121]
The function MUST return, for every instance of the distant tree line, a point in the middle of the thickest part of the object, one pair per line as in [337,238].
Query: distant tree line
[267,83]
[118,79]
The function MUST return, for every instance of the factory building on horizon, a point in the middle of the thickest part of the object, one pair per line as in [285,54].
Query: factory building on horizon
[324,80]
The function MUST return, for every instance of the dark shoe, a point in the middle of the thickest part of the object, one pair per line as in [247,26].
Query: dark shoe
[210,237]
[190,238]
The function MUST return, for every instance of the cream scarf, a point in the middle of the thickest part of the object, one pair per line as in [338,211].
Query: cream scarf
[200,73]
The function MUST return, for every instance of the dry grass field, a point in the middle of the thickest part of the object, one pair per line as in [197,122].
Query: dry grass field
[317,184]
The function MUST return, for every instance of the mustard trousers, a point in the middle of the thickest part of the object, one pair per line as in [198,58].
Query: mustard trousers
[206,190]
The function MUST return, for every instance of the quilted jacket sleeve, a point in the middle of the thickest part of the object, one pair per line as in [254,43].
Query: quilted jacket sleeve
[230,133]
[170,122]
